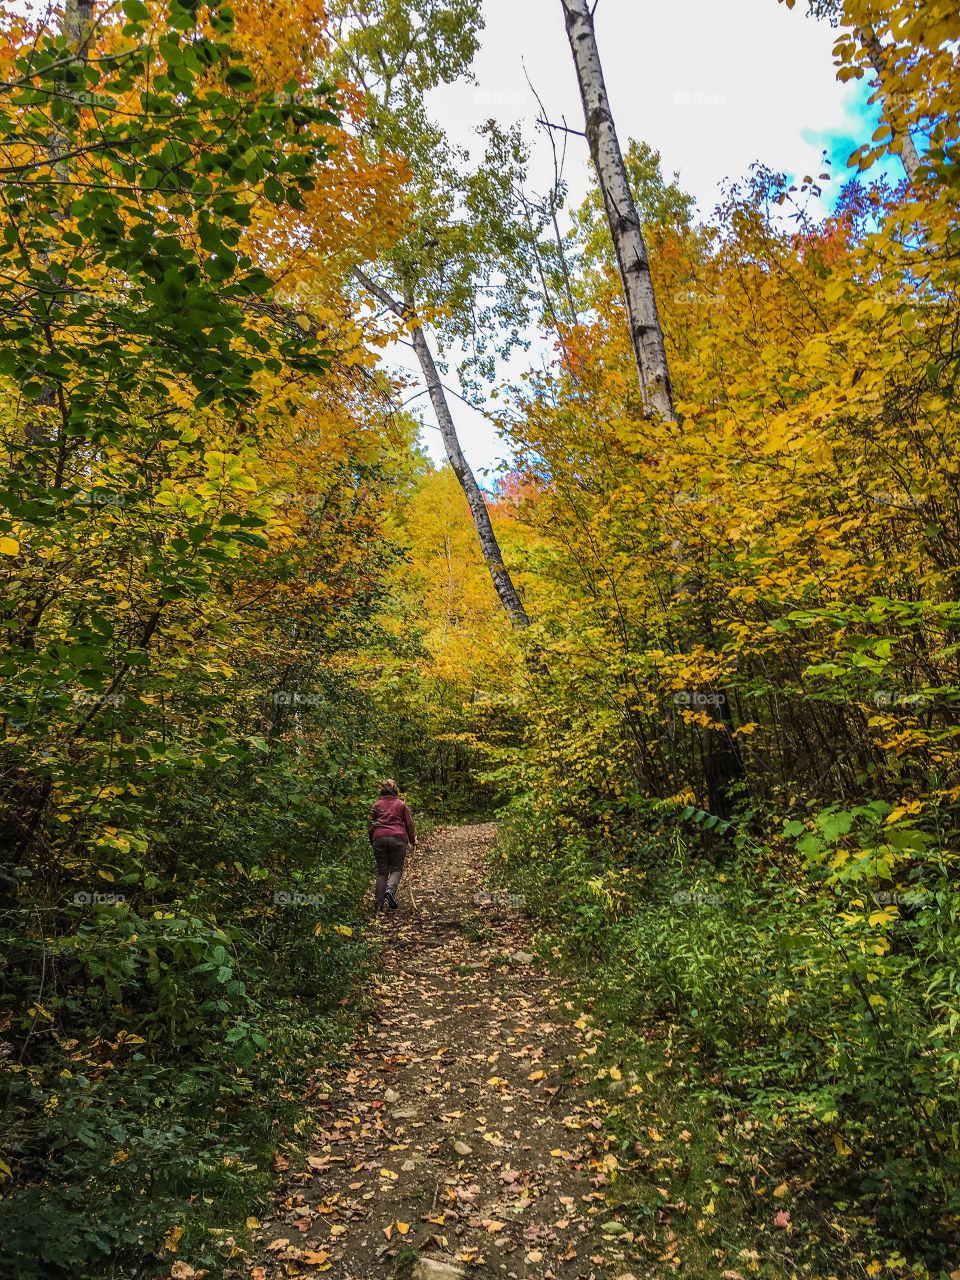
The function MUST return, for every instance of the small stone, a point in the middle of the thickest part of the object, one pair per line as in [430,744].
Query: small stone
[462,1149]
[408,1166]
[391,1096]
[431,1269]
[404,1113]
[523,957]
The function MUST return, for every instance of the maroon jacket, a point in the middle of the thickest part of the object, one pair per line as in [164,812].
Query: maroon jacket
[391,817]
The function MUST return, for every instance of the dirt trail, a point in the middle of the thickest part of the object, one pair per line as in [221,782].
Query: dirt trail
[460,1133]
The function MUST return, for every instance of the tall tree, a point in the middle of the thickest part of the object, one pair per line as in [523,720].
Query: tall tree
[723,764]
[625,226]
[866,34]
[459,263]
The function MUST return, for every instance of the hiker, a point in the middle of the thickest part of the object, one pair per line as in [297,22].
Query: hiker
[391,828]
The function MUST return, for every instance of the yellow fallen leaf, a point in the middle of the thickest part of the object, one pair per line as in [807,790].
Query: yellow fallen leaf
[173,1239]
[403,1227]
[842,1148]
[338,1230]
[781,1191]
[343,929]
[315,1257]
[535,1255]
[9,546]
[537,1075]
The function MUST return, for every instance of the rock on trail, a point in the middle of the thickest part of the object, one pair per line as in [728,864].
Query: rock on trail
[459,1141]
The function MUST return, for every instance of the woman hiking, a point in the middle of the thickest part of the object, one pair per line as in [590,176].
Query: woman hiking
[391,828]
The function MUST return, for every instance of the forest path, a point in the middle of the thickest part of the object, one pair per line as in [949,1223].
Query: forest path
[459,1140]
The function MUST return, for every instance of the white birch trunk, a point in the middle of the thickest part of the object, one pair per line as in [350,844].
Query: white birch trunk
[903,144]
[489,545]
[625,227]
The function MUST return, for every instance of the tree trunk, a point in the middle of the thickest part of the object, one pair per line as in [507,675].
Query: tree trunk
[625,226]
[902,142]
[723,766]
[489,546]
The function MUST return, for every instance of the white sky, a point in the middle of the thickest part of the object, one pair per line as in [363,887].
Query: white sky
[714,85]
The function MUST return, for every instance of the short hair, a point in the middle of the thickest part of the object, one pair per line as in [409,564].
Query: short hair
[389,788]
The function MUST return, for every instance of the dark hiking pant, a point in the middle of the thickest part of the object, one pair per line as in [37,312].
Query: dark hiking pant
[389,852]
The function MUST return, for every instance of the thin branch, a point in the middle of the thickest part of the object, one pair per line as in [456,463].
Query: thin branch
[562,128]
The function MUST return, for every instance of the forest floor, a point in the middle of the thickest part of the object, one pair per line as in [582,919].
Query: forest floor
[462,1136]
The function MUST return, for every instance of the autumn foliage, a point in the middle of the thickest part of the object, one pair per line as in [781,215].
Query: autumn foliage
[725,751]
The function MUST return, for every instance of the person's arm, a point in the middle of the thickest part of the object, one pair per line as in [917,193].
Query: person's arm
[408,824]
[371,824]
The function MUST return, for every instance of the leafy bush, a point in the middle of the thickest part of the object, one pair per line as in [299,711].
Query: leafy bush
[825,1008]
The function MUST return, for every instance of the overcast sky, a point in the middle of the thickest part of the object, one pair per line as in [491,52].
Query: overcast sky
[714,85]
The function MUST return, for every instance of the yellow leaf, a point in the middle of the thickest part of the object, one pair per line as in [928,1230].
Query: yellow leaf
[842,1148]
[781,1191]
[344,929]
[252,1224]
[9,546]
[403,1227]
[173,1239]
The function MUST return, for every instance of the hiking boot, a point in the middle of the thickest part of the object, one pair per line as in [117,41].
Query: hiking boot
[392,902]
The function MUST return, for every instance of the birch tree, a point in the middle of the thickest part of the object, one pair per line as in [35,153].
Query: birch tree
[866,35]
[723,765]
[456,276]
[625,226]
